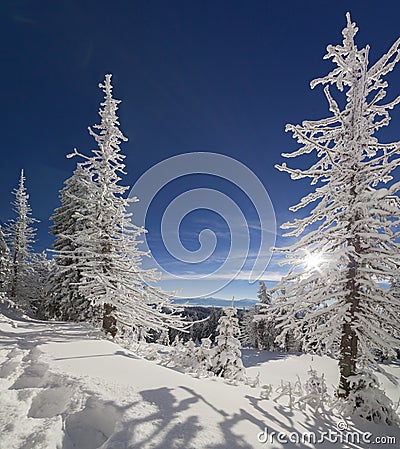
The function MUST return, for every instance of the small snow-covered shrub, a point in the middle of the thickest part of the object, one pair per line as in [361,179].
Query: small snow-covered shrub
[163,338]
[315,392]
[203,357]
[266,391]
[292,391]
[188,359]
[368,401]
[149,351]
[182,356]
[172,357]
[252,381]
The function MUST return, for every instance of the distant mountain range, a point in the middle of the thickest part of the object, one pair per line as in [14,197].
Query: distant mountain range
[215,302]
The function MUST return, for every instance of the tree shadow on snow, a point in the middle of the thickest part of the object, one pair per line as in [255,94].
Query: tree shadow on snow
[319,430]
[158,425]
[164,427]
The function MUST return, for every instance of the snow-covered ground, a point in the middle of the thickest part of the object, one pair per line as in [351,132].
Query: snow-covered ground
[63,386]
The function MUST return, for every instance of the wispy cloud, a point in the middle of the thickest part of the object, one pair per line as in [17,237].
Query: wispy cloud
[242,275]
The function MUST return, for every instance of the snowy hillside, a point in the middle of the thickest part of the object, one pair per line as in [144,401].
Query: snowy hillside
[63,386]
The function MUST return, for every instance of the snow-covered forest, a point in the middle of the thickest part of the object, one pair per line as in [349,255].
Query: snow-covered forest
[94,354]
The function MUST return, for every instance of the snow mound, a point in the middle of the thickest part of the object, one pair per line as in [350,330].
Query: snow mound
[51,402]
[92,426]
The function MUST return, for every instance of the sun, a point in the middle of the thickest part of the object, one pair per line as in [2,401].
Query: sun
[313,261]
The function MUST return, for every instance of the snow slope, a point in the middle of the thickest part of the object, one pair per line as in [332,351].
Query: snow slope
[63,386]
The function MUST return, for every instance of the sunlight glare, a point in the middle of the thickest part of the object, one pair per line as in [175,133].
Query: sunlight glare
[313,261]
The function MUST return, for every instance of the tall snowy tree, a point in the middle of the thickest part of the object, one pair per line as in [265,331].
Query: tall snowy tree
[21,236]
[226,356]
[42,270]
[71,219]
[112,276]
[4,264]
[349,239]
[260,324]
[395,290]
[249,327]
[263,295]
[203,357]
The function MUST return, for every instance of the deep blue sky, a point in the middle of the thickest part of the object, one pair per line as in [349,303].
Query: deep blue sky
[219,76]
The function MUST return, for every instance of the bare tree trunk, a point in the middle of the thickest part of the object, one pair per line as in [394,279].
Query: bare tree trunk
[347,361]
[14,279]
[109,321]
[349,339]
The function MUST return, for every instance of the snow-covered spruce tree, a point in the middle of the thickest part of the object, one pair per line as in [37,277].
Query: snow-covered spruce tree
[112,276]
[341,304]
[264,321]
[70,220]
[259,323]
[163,338]
[210,326]
[369,400]
[189,360]
[249,327]
[173,357]
[226,356]
[203,357]
[263,295]
[21,236]
[39,278]
[395,290]
[4,264]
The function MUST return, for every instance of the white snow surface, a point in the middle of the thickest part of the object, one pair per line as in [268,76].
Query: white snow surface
[62,386]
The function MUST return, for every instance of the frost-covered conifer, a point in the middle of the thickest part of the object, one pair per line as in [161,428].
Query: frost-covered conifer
[4,264]
[39,279]
[189,360]
[263,295]
[112,276]
[226,356]
[163,338]
[182,356]
[259,326]
[21,236]
[352,228]
[203,357]
[263,321]
[71,220]
[176,353]
[249,328]
[367,400]
[210,326]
